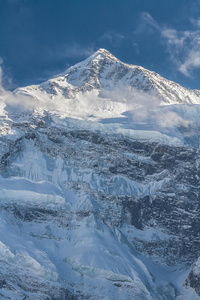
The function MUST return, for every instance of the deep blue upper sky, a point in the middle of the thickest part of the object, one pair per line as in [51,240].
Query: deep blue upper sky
[41,38]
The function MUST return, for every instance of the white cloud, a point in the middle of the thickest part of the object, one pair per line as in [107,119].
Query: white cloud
[147,18]
[195,22]
[182,46]
[172,36]
[191,63]
[115,39]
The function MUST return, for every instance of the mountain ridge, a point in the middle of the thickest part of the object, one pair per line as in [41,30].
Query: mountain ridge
[102,56]
[102,91]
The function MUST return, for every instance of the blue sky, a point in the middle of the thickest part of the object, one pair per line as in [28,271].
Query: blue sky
[41,38]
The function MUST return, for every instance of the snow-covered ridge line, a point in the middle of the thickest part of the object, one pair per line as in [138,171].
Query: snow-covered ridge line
[104,92]
[104,71]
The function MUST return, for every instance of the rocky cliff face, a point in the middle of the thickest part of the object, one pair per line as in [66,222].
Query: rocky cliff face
[93,209]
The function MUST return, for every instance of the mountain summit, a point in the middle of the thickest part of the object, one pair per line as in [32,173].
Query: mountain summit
[105,90]
[104,54]
[104,73]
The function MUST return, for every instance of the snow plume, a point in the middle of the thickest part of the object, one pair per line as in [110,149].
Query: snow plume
[2,91]
[144,108]
[13,102]
[17,103]
[1,87]
[74,50]
[147,109]
[170,119]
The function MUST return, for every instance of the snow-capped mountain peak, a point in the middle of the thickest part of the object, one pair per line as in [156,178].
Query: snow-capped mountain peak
[112,95]
[99,186]
[105,75]
[102,54]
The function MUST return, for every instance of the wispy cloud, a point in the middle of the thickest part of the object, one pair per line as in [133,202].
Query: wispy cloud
[1,77]
[191,63]
[76,50]
[195,22]
[69,51]
[6,80]
[114,39]
[1,87]
[148,19]
[182,46]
